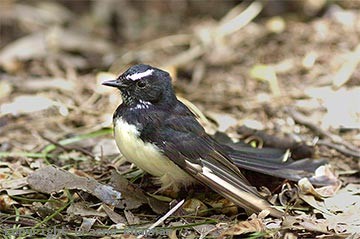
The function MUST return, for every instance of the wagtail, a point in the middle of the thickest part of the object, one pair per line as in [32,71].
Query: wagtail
[160,135]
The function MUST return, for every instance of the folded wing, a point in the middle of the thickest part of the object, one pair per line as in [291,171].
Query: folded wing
[203,158]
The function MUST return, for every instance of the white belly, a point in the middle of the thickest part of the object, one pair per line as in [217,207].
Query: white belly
[148,157]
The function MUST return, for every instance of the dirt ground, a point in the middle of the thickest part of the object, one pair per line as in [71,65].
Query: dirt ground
[282,74]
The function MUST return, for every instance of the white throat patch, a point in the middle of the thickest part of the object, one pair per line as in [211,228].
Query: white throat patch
[141,105]
[139,75]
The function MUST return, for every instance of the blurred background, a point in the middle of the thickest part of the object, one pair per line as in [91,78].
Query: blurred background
[255,69]
[241,62]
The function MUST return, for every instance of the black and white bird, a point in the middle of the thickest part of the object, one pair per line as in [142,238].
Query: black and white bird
[161,136]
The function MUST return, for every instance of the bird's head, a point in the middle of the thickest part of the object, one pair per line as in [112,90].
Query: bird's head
[144,83]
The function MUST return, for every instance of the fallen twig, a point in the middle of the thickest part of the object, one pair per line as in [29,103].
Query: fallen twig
[77,138]
[303,120]
[68,148]
[163,218]
[340,148]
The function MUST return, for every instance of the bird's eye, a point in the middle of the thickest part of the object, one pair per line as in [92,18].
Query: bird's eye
[141,84]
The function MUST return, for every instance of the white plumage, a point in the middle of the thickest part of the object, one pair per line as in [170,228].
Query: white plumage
[149,157]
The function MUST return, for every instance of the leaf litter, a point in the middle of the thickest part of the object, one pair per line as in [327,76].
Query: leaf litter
[242,67]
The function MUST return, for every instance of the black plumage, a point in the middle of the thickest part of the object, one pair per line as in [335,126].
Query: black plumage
[164,127]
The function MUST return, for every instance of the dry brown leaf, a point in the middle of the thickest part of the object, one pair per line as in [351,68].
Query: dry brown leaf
[115,217]
[6,202]
[243,227]
[87,224]
[308,222]
[341,212]
[194,206]
[131,218]
[173,234]
[224,206]
[16,192]
[322,173]
[346,197]
[207,229]
[346,204]
[83,210]
[319,205]
[46,210]
[51,179]
[134,196]
[346,222]
[13,183]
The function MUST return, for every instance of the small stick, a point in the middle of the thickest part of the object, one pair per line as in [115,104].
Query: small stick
[343,150]
[301,119]
[67,148]
[163,218]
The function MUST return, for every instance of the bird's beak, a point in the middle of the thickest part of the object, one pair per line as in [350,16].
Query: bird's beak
[115,83]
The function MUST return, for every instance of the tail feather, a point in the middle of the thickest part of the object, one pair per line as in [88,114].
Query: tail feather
[232,187]
[270,161]
[275,163]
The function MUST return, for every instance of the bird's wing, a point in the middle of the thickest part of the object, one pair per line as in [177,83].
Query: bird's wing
[185,142]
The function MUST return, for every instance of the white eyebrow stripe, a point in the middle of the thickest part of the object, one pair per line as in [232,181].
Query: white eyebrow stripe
[140,75]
